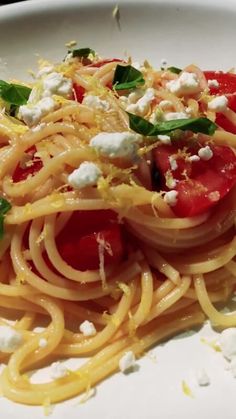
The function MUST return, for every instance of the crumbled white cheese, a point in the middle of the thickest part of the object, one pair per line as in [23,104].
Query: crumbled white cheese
[165,104]
[87,328]
[57,84]
[43,343]
[116,144]
[58,370]
[169,116]
[213,83]
[205,153]
[165,139]
[202,378]
[227,342]
[171,198]
[86,175]
[96,103]
[173,163]
[39,127]
[186,83]
[44,71]
[127,361]
[232,367]
[141,107]
[218,104]
[10,339]
[193,158]
[31,114]
[171,183]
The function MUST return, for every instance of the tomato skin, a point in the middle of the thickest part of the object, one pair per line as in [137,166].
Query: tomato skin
[224,123]
[227,87]
[77,243]
[207,181]
[21,173]
[79,92]
[227,82]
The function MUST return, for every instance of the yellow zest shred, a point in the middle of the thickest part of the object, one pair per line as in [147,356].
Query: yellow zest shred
[47,407]
[186,389]
[212,344]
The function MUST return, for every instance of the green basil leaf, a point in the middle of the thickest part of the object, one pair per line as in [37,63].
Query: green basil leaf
[82,52]
[3,85]
[127,77]
[15,94]
[144,127]
[175,70]
[5,206]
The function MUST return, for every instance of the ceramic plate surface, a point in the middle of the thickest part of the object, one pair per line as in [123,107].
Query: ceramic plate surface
[182,32]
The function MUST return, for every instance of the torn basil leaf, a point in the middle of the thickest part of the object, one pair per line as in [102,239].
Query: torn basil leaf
[82,52]
[5,206]
[174,70]
[144,127]
[15,94]
[127,77]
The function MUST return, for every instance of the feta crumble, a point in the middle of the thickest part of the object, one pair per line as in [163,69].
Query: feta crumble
[213,83]
[141,107]
[86,175]
[173,163]
[169,116]
[87,328]
[202,378]
[171,198]
[116,144]
[127,361]
[227,342]
[193,158]
[165,139]
[10,339]
[165,104]
[186,83]
[43,343]
[57,84]
[44,71]
[205,153]
[31,114]
[218,104]
[95,102]
[58,370]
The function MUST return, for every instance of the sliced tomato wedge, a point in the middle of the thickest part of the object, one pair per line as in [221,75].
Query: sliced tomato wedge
[78,242]
[79,92]
[227,87]
[28,168]
[227,82]
[200,184]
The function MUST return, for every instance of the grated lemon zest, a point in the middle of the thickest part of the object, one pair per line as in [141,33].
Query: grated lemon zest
[212,344]
[47,407]
[186,389]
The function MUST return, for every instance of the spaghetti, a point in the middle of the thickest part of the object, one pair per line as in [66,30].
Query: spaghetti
[121,183]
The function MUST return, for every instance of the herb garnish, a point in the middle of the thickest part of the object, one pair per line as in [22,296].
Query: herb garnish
[82,52]
[127,77]
[144,127]
[14,94]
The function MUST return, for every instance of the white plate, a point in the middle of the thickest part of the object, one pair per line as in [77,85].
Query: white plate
[182,32]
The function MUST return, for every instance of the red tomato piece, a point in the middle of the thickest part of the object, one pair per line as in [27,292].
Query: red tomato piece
[224,123]
[34,165]
[227,87]
[79,92]
[203,183]
[227,82]
[78,242]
